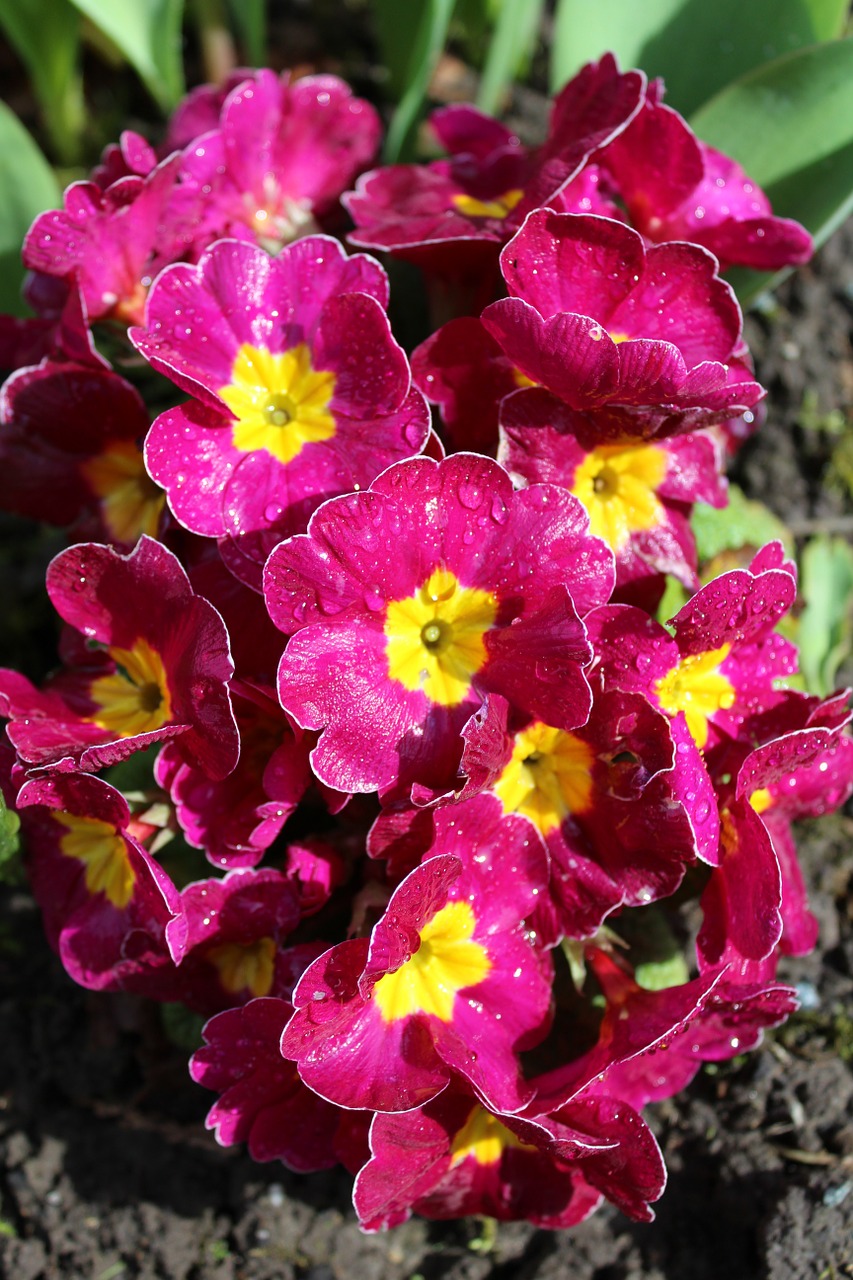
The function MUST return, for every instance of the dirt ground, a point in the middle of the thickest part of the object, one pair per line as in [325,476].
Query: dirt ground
[108,1173]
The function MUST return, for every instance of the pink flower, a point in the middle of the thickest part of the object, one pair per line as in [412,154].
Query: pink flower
[453,215]
[106,903]
[678,188]
[638,493]
[412,600]
[453,1157]
[300,390]
[112,241]
[448,982]
[70,452]
[263,1102]
[639,339]
[154,664]
[273,166]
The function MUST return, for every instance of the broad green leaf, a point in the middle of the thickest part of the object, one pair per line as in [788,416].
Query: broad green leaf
[148,33]
[697,47]
[250,19]
[790,124]
[825,626]
[743,523]
[411,50]
[516,28]
[46,35]
[27,187]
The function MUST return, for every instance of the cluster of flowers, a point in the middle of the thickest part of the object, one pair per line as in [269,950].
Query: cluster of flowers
[452,778]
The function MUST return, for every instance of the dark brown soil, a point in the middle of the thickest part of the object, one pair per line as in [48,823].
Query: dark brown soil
[108,1173]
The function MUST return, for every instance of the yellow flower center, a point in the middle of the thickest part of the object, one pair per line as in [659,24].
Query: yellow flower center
[497,208]
[135,698]
[248,967]
[280,402]
[485,1138]
[696,687]
[548,776]
[446,961]
[103,852]
[130,500]
[434,638]
[618,486]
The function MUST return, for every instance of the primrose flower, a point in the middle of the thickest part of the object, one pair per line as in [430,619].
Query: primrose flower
[154,664]
[608,800]
[105,902]
[453,215]
[721,663]
[638,493]
[453,1157]
[791,761]
[447,983]
[410,601]
[273,167]
[678,188]
[263,1102]
[300,390]
[111,242]
[228,939]
[70,452]
[638,339]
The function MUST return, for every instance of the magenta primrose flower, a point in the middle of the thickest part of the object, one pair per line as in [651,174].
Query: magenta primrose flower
[407,603]
[638,339]
[638,493]
[106,903]
[453,215]
[609,801]
[149,661]
[111,242]
[70,452]
[453,1157]
[449,981]
[263,1101]
[678,188]
[300,390]
[273,166]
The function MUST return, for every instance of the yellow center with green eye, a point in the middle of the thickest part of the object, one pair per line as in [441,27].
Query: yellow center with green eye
[618,486]
[434,639]
[502,205]
[548,777]
[280,402]
[135,698]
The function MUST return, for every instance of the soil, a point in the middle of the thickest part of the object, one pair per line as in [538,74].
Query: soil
[108,1173]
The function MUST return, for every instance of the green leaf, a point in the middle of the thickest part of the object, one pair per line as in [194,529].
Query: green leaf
[696,46]
[250,19]
[513,38]
[790,124]
[411,50]
[743,523]
[27,187]
[148,33]
[825,626]
[10,845]
[46,36]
